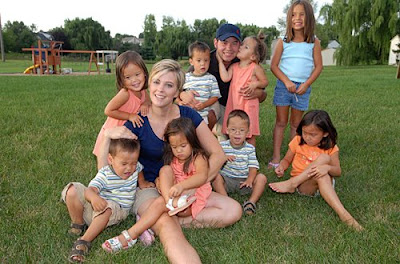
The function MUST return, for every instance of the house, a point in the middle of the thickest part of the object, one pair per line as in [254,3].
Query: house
[328,54]
[44,36]
[133,40]
[393,46]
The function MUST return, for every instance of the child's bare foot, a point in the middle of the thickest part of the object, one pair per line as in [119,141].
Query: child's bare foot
[354,224]
[282,187]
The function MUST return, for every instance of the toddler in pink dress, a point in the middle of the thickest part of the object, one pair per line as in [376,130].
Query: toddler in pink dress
[245,76]
[132,77]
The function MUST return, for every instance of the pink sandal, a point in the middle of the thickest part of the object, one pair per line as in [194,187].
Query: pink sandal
[147,237]
[272,165]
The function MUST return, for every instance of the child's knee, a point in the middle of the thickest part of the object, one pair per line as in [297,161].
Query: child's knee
[166,171]
[261,178]
[281,123]
[71,193]
[159,202]
[324,180]
[106,213]
[324,158]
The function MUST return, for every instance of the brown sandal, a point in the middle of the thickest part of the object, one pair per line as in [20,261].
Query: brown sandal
[249,208]
[79,249]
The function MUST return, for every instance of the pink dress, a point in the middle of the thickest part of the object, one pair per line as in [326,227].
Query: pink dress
[242,77]
[131,106]
[202,193]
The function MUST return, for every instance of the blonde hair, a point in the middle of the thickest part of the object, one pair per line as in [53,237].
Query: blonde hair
[123,61]
[165,66]
[309,22]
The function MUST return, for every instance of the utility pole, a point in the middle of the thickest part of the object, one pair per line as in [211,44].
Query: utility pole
[3,59]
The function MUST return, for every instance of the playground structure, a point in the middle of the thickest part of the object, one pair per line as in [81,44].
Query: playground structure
[46,58]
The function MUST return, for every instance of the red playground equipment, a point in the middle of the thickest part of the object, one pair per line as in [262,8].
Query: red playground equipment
[46,58]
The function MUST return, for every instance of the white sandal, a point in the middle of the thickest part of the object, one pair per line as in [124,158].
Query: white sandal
[113,245]
[183,202]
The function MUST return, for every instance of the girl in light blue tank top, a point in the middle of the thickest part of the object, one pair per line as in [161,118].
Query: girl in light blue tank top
[296,63]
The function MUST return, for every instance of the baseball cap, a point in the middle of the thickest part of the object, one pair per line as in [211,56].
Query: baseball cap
[228,30]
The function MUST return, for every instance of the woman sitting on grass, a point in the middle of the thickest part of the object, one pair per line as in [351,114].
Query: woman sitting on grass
[314,156]
[165,83]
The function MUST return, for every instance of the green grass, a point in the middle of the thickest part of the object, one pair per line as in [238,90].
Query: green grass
[18,66]
[50,123]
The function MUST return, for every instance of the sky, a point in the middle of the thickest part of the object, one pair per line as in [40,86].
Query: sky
[127,17]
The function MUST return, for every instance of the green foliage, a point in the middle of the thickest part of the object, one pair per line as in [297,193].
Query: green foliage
[150,35]
[204,30]
[326,30]
[87,34]
[59,34]
[17,35]
[365,28]
[174,38]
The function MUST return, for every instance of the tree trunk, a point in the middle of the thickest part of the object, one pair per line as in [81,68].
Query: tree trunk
[3,59]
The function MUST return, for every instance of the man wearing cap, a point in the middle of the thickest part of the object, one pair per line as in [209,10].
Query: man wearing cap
[227,43]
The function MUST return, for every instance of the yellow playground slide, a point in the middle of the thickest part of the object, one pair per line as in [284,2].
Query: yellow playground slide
[30,69]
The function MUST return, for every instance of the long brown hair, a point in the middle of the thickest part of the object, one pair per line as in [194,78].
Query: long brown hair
[309,26]
[184,126]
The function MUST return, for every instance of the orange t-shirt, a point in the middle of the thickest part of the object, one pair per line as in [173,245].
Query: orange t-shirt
[304,155]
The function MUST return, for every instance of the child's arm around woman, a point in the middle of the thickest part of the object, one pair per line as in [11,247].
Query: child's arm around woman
[112,108]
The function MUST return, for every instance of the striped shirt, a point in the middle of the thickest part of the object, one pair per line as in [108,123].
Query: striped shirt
[111,187]
[206,85]
[245,158]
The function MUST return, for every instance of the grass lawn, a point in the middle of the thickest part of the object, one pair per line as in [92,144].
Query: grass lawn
[50,123]
[18,66]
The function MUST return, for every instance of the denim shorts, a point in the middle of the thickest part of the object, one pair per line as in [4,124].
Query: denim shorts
[282,97]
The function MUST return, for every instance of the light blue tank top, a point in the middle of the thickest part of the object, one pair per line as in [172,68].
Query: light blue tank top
[297,61]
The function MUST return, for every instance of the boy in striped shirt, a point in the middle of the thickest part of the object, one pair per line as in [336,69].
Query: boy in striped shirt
[108,198]
[240,172]
[203,85]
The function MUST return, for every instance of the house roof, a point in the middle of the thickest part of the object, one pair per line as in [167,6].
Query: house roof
[333,44]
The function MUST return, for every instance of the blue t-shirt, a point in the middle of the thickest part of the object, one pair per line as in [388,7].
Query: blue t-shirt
[297,61]
[152,147]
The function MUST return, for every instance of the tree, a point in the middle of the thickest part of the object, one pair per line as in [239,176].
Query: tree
[365,28]
[59,34]
[326,30]
[17,36]
[204,30]
[3,59]
[150,33]
[87,34]
[173,39]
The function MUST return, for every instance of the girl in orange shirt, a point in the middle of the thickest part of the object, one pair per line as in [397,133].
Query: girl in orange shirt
[315,163]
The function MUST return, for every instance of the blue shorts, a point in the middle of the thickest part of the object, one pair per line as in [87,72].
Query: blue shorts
[282,97]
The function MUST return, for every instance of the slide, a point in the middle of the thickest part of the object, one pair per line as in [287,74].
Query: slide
[30,69]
